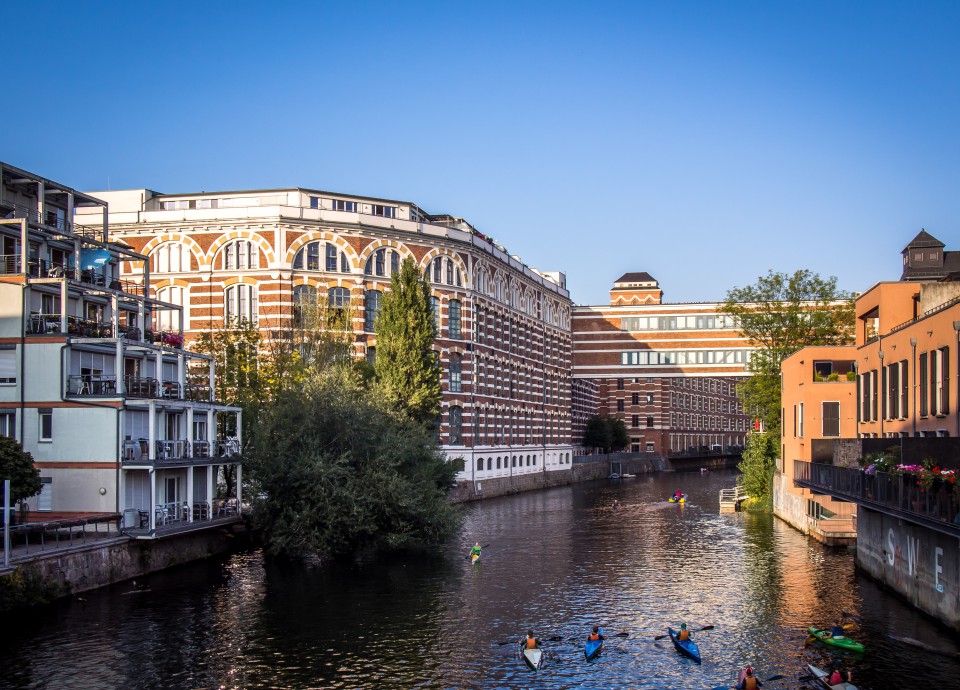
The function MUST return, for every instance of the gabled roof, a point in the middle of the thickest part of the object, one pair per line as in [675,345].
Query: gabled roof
[923,239]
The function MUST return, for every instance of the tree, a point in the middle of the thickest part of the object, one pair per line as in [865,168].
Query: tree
[619,436]
[406,367]
[779,315]
[16,464]
[608,433]
[335,469]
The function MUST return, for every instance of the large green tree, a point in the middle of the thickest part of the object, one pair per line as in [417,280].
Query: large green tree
[780,314]
[16,464]
[406,367]
[336,468]
[608,433]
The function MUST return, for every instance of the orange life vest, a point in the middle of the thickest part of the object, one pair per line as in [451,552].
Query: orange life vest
[593,637]
[683,636]
[750,683]
[531,643]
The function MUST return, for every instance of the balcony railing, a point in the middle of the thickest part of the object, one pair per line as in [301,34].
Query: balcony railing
[140,387]
[92,385]
[895,493]
[174,450]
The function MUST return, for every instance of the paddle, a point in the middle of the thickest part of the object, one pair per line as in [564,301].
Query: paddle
[733,687]
[468,556]
[555,638]
[850,616]
[706,627]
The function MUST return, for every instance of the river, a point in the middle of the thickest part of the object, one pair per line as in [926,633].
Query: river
[559,561]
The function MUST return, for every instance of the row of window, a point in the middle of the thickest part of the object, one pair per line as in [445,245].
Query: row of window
[686,401]
[674,323]
[700,421]
[829,415]
[683,357]
[508,462]
[889,397]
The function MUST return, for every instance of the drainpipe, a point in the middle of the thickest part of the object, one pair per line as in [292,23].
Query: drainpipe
[913,396]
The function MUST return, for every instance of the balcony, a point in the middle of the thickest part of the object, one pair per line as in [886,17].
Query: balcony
[85,384]
[179,451]
[936,506]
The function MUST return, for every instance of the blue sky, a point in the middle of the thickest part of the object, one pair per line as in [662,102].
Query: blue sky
[703,142]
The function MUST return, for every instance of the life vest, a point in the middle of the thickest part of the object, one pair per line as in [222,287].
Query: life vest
[594,637]
[835,678]
[683,636]
[750,683]
[531,643]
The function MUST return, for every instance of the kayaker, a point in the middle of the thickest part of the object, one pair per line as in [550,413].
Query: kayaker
[475,550]
[595,635]
[836,631]
[836,676]
[531,641]
[677,495]
[748,681]
[616,504]
[684,634]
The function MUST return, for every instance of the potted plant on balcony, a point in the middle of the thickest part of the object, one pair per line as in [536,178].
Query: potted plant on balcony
[171,339]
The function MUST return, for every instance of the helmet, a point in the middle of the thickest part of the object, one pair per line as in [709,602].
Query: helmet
[683,626]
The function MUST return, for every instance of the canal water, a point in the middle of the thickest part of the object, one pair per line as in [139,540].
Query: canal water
[558,561]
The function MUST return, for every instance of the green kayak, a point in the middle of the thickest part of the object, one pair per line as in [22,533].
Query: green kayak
[841,642]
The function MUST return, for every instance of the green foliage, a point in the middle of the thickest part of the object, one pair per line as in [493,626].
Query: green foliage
[337,469]
[24,588]
[756,467]
[16,464]
[406,367]
[607,433]
[851,376]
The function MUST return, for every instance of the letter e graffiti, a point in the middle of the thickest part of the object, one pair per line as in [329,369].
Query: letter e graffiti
[891,541]
[937,570]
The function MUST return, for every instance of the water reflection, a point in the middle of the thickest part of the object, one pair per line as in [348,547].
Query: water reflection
[559,561]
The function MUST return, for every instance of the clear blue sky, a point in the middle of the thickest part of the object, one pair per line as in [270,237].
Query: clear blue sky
[702,142]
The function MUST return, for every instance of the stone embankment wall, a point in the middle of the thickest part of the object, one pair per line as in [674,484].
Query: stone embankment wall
[918,563]
[83,568]
[578,472]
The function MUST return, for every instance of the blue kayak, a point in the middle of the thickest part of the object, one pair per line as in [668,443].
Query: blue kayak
[591,649]
[687,647]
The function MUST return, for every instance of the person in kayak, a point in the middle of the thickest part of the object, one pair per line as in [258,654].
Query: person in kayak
[616,504]
[531,641]
[475,550]
[748,681]
[684,634]
[677,495]
[595,635]
[836,675]
[836,631]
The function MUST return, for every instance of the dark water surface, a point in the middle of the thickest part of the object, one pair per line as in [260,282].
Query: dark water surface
[560,561]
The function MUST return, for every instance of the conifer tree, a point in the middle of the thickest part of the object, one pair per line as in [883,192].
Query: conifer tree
[406,366]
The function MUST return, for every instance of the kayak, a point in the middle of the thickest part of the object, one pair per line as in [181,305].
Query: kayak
[821,677]
[674,499]
[591,649]
[531,657]
[841,642]
[474,557]
[687,647]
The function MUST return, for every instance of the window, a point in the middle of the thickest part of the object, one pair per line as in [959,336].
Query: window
[435,310]
[371,308]
[940,381]
[341,205]
[650,447]
[8,421]
[240,255]
[831,419]
[338,297]
[308,258]
[635,399]
[922,379]
[456,425]
[171,257]
[635,421]
[45,497]
[384,211]
[240,303]
[800,420]
[169,319]
[619,384]
[304,305]
[456,367]
[649,420]
[46,423]
[8,363]
[453,316]
[377,263]
[620,406]
[371,356]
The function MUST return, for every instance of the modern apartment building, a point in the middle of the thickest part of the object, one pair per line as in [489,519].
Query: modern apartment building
[94,380]
[265,256]
[668,370]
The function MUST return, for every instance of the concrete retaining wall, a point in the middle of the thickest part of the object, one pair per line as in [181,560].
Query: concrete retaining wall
[921,565]
[88,567]
[503,486]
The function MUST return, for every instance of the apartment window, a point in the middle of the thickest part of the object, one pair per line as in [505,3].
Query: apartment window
[435,310]
[620,406]
[377,263]
[371,308]
[171,257]
[240,303]
[904,390]
[635,399]
[800,420]
[635,421]
[453,316]
[923,380]
[338,297]
[169,319]
[831,419]
[649,420]
[45,497]
[456,425]
[8,363]
[650,446]
[240,256]
[342,205]
[384,211]
[940,381]
[304,305]
[8,426]
[371,356]
[456,367]
[46,423]
[649,398]
[619,384]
